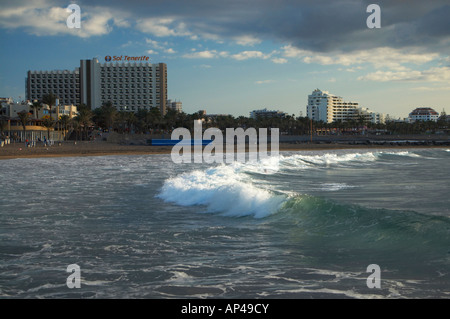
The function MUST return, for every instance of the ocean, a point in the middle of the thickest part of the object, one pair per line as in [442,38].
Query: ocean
[304,225]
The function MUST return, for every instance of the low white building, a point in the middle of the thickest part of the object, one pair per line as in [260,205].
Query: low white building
[11,109]
[423,114]
[58,111]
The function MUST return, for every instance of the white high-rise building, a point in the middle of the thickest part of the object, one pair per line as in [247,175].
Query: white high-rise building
[326,107]
[130,86]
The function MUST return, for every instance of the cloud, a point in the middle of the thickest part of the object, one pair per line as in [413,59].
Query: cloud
[245,55]
[154,44]
[43,19]
[162,27]
[264,81]
[247,40]
[353,69]
[279,60]
[316,26]
[435,74]
[378,57]
[431,89]
[157,45]
[206,54]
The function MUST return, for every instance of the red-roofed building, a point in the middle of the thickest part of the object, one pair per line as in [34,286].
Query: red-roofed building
[423,114]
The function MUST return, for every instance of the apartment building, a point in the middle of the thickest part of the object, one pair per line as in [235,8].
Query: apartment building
[130,86]
[327,107]
[175,105]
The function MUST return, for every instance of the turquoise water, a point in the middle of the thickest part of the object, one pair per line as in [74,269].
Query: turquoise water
[305,225]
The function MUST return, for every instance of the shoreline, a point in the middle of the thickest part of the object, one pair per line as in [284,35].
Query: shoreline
[84,149]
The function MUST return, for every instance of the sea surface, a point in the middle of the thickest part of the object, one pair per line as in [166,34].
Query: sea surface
[304,225]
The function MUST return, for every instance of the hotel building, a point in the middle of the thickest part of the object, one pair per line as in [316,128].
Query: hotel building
[265,113]
[423,114]
[326,107]
[130,86]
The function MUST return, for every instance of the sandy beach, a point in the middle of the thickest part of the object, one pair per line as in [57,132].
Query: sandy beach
[101,148]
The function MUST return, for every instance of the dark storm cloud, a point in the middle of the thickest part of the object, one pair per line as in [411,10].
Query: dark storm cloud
[316,25]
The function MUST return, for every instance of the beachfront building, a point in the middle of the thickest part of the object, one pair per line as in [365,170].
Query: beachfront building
[265,113]
[130,86]
[7,100]
[423,114]
[327,107]
[11,109]
[175,105]
[368,116]
[34,125]
[58,111]
[64,84]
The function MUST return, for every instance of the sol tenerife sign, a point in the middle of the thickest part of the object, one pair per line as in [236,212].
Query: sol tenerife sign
[108,58]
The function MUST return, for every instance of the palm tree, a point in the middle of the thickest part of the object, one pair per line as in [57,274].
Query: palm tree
[143,120]
[156,117]
[24,117]
[76,127]
[84,119]
[50,100]
[108,113]
[48,122]
[3,124]
[171,118]
[121,120]
[130,121]
[65,120]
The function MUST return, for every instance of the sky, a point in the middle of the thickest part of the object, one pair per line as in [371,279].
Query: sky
[232,57]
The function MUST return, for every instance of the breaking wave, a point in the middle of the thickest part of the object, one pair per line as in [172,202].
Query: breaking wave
[229,191]
[225,191]
[232,190]
[221,189]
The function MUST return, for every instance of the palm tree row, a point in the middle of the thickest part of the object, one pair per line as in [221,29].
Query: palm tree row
[152,121]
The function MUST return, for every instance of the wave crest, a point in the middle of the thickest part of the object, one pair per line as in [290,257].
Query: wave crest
[221,189]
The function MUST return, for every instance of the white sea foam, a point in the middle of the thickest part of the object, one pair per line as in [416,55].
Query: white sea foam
[230,190]
[328,158]
[221,189]
[403,153]
[331,187]
[306,161]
